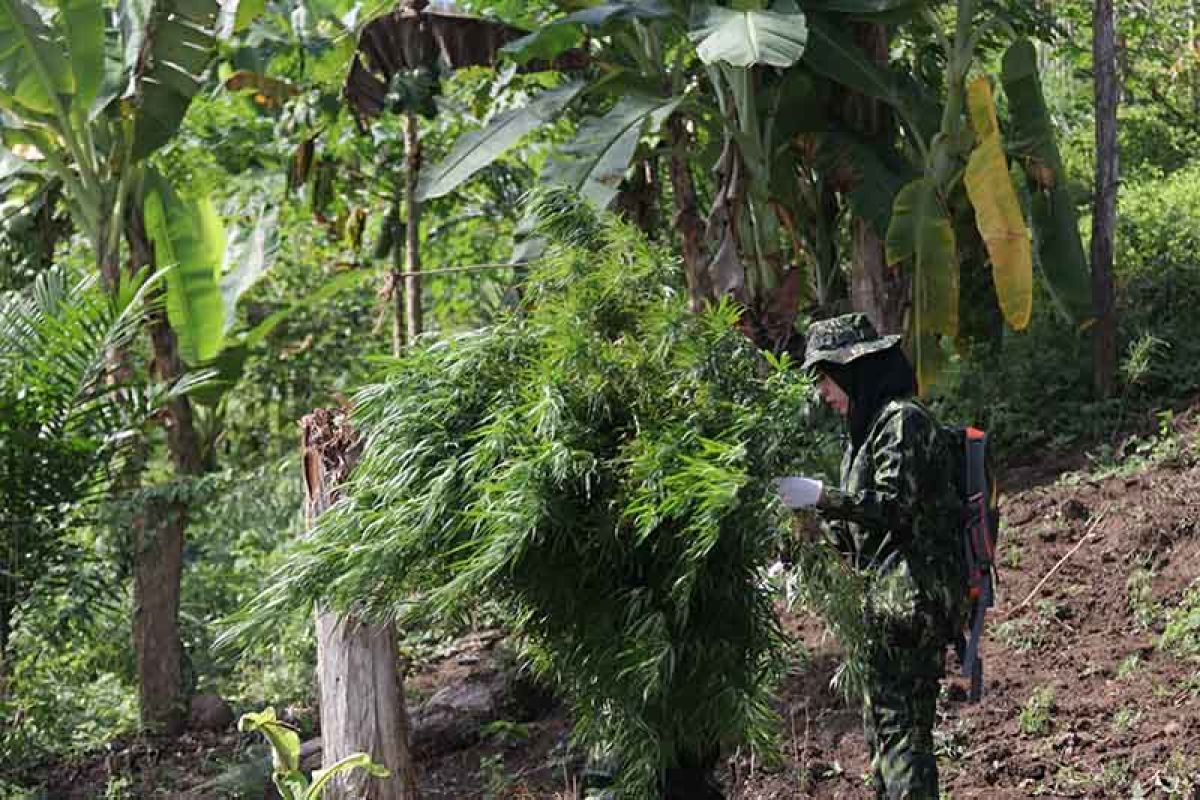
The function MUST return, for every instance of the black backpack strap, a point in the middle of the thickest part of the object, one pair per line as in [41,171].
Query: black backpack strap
[978,543]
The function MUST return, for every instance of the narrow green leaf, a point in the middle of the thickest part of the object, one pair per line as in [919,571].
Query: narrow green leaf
[351,762]
[476,149]
[745,38]
[189,241]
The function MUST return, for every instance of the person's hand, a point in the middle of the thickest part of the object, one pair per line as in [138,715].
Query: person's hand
[798,491]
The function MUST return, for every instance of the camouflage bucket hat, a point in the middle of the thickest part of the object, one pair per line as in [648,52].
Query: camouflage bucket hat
[842,339]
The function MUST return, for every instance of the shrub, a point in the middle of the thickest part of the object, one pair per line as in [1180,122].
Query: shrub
[599,463]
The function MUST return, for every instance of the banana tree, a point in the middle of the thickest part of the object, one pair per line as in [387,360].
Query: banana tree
[793,162]
[397,68]
[91,92]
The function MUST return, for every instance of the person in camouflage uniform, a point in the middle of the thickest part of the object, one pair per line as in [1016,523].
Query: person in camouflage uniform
[895,516]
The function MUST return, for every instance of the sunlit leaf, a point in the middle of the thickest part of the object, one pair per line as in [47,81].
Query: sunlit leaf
[188,241]
[745,38]
[997,210]
[33,65]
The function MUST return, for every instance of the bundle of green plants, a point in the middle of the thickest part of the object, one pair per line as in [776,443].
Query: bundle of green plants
[599,464]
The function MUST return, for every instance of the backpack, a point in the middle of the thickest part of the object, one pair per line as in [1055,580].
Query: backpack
[980,528]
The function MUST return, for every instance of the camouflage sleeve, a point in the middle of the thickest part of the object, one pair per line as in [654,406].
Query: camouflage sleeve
[838,534]
[897,451]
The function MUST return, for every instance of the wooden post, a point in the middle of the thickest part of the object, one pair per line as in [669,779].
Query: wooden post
[412,228]
[361,687]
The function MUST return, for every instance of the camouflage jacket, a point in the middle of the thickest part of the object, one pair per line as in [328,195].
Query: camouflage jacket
[897,516]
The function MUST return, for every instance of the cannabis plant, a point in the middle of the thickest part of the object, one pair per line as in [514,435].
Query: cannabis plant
[599,463]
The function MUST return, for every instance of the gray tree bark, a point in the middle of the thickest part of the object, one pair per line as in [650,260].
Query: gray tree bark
[361,686]
[1104,211]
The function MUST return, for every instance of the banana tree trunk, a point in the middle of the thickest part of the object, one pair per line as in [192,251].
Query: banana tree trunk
[1104,213]
[875,289]
[159,535]
[361,686]
[687,216]
[637,198]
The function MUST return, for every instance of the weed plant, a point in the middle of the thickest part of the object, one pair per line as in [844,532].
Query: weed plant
[599,465]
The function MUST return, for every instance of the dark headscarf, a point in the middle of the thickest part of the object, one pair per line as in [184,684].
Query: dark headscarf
[870,382]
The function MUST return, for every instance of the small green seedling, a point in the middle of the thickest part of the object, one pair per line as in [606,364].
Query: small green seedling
[285,755]
[1035,716]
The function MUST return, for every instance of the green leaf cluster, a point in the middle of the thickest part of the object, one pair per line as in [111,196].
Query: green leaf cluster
[598,462]
[291,781]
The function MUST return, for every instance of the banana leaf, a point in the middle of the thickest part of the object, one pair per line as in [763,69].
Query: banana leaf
[181,39]
[595,163]
[921,238]
[34,69]
[997,209]
[188,241]
[477,149]
[83,23]
[1032,143]
[746,38]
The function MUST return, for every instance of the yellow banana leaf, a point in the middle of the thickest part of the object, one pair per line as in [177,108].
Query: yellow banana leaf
[998,211]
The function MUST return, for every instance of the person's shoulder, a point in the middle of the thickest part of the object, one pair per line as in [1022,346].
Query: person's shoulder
[903,418]
[906,410]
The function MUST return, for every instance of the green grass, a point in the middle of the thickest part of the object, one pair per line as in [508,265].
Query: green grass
[1037,715]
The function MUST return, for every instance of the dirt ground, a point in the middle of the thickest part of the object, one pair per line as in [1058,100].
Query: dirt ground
[1124,720]
[1120,717]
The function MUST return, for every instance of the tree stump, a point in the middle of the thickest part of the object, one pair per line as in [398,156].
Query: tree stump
[361,687]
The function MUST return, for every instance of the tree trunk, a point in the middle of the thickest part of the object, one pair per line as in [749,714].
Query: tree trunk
[412,230]
[1104,212]
[637,198]
[159,535]
[361,687]
[687,216]
[876,290]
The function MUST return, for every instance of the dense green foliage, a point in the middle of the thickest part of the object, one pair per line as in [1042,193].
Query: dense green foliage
[598,463]
[568,441]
